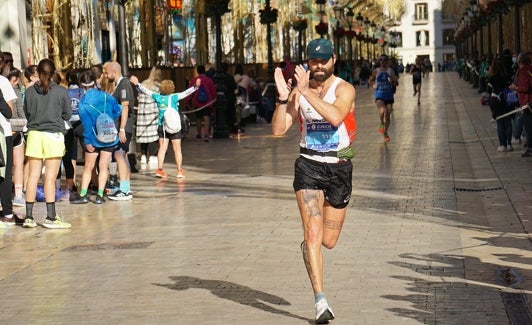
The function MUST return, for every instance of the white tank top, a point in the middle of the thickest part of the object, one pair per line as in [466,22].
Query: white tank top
[318,134]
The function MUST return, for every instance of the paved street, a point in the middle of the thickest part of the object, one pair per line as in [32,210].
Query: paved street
[437,232]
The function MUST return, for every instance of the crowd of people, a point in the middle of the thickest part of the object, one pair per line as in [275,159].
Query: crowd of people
[49,116]
[505,84]
[46,116]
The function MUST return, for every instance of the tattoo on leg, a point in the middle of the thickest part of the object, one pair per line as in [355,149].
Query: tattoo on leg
[312,276]
[305,256]
[310,198]
[332,224]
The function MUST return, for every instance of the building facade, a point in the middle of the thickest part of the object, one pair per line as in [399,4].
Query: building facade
[426,30]
[15,30]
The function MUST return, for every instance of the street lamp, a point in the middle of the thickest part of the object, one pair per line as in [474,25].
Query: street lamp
[367,37]
[350,15]
[339,31]
[359,29]
[124,63]
[299,25]
[322,28]
[216,9]
[382,39]
[373,29]
[268,16]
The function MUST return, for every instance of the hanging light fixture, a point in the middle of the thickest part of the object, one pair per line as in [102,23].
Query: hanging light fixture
[176,6]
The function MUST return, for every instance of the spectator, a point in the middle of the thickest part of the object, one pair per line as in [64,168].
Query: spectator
[18,126]
[245,84]
[203,101]
[483,74]
[30,76]
[71,140]
[168,100]
[523,87]
[344,71]
[47,106]
[147,117]
[123,93]
[91,105]
[460,67]
[8,96]
[230,100]
[8,63]
[497,82]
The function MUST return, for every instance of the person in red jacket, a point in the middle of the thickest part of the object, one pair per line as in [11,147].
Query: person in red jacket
[203,101]
[523,87]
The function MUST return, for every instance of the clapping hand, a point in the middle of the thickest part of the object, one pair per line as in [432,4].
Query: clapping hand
[283,88]
[302,77]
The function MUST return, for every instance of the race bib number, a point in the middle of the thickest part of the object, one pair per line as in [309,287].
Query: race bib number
[322,136]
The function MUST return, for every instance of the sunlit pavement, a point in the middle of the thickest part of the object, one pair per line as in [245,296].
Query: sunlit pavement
[437,232]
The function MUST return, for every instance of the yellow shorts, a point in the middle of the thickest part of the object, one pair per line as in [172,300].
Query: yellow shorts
[45,144]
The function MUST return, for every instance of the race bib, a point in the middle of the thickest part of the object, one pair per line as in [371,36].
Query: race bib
[322,136]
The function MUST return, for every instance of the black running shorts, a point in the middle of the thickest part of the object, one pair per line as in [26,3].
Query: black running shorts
[170,136]
[334,179]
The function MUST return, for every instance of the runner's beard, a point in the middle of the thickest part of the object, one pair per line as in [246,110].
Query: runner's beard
[322,77]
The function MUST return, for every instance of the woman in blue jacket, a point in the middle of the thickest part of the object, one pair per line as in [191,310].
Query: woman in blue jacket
[91,106]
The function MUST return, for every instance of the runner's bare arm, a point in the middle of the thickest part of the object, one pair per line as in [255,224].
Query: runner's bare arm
[284,114]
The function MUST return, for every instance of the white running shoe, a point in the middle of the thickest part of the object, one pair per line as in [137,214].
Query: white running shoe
[324,313]
[152,161]
[501,149]
[143,159]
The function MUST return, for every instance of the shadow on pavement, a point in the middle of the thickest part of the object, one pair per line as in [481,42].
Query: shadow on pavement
[235,292]
[454,298]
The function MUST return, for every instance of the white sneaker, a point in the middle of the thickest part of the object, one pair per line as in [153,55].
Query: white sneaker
[324,313]
[509,148]
[143,159]
[152,161]
[501,148]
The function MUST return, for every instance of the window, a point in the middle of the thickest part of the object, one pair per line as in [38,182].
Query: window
[422,12]
[422,38]
[448,36]
[397,39]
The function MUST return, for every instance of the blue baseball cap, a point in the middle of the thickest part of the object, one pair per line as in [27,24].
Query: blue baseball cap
[320,48]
